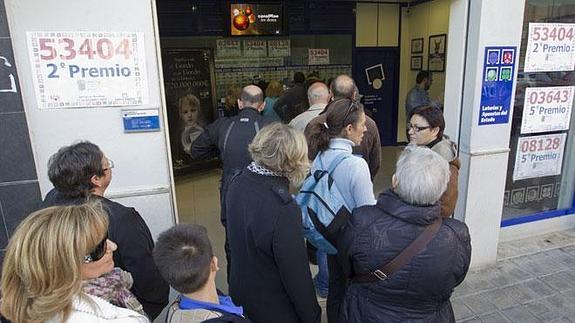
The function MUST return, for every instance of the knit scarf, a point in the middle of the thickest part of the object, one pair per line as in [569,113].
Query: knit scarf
[114,287]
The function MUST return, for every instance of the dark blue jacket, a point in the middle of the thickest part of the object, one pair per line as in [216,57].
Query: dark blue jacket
[420,290]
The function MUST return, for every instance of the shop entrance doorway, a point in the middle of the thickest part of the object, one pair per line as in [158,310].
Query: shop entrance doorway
[376,73]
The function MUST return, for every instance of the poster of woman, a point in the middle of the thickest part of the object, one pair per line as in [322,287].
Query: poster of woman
[189,84]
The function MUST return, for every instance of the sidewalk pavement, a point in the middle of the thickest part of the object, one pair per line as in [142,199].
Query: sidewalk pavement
[533,281]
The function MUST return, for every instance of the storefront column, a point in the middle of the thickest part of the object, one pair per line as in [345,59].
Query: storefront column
[484,149]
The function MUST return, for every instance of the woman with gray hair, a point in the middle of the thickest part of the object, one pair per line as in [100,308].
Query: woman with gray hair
[270,276]
[388,281]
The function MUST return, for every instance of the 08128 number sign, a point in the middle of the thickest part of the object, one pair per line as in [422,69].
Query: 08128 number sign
[539,156]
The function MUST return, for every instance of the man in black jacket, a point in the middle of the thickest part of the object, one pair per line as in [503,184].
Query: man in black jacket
[229,138]
[80,172]
[293,101]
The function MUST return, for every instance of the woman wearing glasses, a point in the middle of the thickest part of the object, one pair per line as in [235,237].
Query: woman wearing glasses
[425,128]
[49,257]
[343,129]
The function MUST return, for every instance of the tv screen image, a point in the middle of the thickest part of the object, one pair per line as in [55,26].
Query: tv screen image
[256,19]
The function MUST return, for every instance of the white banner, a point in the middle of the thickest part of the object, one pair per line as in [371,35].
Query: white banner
[228,48]
[255,48]
[547,109]
[318,56]
[550,47]
[539,156]
[88,69]
[279,48]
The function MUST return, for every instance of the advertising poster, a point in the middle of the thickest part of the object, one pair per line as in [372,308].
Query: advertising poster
[88,69]
[255,48]
[318,56]
[550,47]
[228,48]
[189,84]
[497,85]
[256,19]
[539,156]
[547,109]
[279,48]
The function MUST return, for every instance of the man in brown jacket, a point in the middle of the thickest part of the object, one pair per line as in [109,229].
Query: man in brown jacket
[343,86]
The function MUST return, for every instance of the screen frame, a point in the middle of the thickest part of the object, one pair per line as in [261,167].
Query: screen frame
[283,20]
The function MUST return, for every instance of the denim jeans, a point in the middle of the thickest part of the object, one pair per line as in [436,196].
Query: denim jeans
[321,280]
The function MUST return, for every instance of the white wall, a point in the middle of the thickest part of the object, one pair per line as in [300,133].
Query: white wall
[484,150]
[420,21]
[141,177]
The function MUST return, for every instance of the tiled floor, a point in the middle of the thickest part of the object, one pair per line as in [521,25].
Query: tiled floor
[198,202]
[533,280]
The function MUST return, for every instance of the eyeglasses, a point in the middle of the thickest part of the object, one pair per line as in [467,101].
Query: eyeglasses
[99,251]
[416,128]
[110,165]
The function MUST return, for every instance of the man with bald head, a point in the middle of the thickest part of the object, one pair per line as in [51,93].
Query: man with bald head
[318,96]
[341,87]
[228,138]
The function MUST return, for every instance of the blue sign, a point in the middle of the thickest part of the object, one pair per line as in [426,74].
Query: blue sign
[141,120]
[497,85]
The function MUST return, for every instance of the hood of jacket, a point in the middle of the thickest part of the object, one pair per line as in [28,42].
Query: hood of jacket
[446,148]
[390,203]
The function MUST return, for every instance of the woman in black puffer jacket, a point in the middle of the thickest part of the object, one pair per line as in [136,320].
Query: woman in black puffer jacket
[419,290]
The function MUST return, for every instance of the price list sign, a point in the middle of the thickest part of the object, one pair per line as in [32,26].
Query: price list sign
[539,156]
[547,109]
[279,48]
[255,48]
[88,69]
[228,48]
[550,47]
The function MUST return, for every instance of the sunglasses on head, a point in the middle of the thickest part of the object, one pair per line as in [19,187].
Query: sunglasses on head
[98,252]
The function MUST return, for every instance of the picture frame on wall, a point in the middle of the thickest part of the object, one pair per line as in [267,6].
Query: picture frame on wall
[416,63]
[417,46]
[436,53]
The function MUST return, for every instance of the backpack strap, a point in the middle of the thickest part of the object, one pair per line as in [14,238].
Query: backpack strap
[404,257]
[227,137]
[334,163]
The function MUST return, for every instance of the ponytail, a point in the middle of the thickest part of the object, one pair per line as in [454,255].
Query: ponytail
[318,138]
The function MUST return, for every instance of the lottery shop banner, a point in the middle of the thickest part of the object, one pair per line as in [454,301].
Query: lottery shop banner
[550,47]
[88,69]
[539,156]
[547,109]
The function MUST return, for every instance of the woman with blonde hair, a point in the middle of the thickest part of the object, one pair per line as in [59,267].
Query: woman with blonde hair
[49,256]
[270,275]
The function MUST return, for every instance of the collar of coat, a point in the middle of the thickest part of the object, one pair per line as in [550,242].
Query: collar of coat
[390,203]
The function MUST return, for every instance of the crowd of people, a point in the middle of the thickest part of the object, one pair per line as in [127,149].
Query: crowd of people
[85,258]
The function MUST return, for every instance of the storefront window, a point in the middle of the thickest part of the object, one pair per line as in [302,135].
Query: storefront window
[541,171]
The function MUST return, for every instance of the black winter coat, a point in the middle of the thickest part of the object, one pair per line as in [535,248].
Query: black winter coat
[420,290]
[134,254]
[270,276]
[230,143]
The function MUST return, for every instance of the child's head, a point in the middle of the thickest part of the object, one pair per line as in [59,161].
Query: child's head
[189,109]
[184,257]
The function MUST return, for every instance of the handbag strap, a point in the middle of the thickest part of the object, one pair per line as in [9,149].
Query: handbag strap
[404,257]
